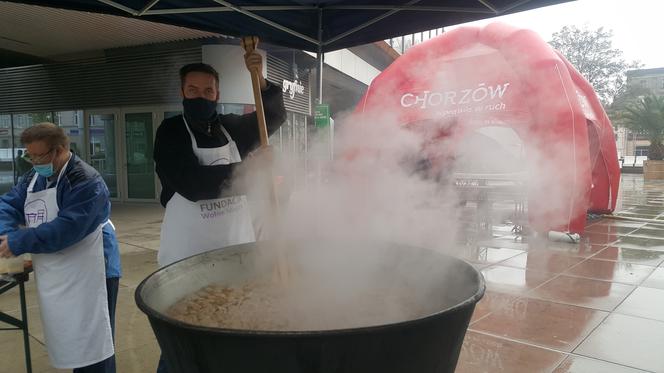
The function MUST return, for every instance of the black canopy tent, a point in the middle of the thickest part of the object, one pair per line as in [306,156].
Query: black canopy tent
[313,25]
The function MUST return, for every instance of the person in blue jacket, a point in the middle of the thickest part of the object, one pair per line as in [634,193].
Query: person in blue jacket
[59,213]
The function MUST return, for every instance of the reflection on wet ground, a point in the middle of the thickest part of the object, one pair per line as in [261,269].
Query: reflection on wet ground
[556,307]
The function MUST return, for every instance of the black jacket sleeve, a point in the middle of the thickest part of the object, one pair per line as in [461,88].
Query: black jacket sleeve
[178,168]
[244,128]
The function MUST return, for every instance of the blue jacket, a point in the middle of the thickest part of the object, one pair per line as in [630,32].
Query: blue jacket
[83,201]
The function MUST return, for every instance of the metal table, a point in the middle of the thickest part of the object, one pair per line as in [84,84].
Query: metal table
[8,282]
[487,190]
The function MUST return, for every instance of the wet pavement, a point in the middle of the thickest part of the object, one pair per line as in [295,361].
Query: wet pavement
[596,306]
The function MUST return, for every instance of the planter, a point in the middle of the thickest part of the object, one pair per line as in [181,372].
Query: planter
[653,170]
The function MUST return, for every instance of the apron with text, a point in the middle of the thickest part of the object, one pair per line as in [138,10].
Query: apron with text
[191,228]
[71,286]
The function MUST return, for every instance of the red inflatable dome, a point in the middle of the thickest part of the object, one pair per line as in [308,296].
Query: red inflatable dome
[498,75]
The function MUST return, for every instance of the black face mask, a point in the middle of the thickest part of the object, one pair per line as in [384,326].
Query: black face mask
[199,109]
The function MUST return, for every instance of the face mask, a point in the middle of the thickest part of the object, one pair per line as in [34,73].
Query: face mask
[199,109]
[45,170]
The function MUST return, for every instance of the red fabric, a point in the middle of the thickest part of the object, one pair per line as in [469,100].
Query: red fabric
[500,75]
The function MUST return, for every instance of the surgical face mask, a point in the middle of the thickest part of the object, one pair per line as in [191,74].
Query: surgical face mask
[199,109]
[45,170]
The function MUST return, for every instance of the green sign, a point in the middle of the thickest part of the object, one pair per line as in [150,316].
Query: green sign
[322,115]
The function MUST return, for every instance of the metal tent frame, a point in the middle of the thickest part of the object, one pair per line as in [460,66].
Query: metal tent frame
[320,44]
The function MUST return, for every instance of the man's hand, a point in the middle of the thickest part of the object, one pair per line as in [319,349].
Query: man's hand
[254,62]
[4,248]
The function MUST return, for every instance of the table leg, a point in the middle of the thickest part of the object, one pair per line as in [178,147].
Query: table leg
[26,335]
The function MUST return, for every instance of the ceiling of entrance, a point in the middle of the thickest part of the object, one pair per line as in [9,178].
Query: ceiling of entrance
[49,32]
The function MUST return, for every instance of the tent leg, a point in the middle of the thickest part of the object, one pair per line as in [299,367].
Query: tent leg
[320,56]
[319,100]
[319,77]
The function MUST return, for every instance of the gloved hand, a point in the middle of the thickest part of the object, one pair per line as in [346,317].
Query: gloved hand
[254,62]
[5,252]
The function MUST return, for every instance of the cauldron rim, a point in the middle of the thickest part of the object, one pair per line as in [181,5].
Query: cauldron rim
[152,313]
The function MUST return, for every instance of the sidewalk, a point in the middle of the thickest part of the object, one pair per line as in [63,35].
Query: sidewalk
[597,306]
[137,351]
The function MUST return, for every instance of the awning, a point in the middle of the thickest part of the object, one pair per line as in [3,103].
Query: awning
[313,25]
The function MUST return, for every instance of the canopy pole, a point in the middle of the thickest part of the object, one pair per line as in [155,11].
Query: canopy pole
[320,56]
[147,7]
[319,77]
[319,82]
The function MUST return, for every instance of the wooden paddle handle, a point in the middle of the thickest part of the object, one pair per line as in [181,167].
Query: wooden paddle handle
[249,43]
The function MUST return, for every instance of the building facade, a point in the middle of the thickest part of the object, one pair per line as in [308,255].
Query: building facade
[111,106]
[110,81]
[651,79]
[634,144]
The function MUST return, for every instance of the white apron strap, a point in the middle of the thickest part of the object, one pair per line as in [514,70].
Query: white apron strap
[31,187]
[109,222]
[191,134]
[228,136]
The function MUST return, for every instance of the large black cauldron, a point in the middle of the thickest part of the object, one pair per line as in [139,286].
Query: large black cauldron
[446,290]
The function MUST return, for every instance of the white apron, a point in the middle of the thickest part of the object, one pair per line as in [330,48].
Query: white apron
[191,228]
[71,286]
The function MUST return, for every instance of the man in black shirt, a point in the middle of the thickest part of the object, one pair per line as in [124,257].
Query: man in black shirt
[196,154]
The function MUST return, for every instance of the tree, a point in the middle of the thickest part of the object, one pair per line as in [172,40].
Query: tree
[591,52]
[629,95]
[646,115]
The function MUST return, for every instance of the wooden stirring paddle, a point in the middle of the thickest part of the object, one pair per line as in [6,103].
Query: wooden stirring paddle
[249,43]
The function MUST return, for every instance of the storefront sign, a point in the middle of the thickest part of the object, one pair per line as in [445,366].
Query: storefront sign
[322,115]
[292,87]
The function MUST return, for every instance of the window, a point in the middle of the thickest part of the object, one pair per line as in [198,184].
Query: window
[639,136]
[25,120]
[417,38]
[239,109]
[5,121]
[6,154]
[641,151]
[11,150]
[408,42]
[72,123]
[291,140]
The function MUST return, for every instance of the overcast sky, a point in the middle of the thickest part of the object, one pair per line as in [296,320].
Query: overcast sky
[638,25]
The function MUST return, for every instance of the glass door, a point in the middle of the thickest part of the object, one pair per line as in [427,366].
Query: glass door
[102,148]
[138,143]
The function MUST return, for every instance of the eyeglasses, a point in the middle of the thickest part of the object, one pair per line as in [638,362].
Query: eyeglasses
[39,158]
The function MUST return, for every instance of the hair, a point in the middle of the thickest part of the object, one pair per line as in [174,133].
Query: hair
[198,67]
[47,132]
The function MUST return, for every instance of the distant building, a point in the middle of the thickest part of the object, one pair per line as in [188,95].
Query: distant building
[631,143]
[652,79]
